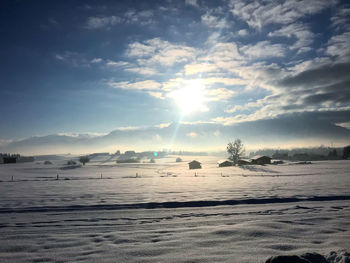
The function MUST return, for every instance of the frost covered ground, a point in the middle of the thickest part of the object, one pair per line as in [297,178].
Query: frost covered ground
[165,212]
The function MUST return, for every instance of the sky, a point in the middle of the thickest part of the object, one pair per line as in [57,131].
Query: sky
[88,68]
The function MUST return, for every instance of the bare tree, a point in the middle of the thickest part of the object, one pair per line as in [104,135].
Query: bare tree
[235,150]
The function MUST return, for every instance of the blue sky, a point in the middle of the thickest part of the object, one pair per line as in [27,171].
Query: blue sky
[95,66]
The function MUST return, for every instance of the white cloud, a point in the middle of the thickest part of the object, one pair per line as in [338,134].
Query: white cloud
[225,52]
[260,13]
[111,63]
[82,134]
[143,18]
[157,52]
[213,21]
[344,124]
[148,85]
[191,2]
[341,19]
[192,69]
[192,134]
[220,94]
[304,37]
[96,60]
[158,95]
[247,106]
[142,70]
[225,81]
[4,142]
[163,125]
[102,22]
[128,128]
[137,49]
[242,32]
[263,49]
[339,46]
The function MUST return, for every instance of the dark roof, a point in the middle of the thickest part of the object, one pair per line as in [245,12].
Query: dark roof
[224,161]
[194,161]
[259,157]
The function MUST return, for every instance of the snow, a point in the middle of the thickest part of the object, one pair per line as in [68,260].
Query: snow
[162,212]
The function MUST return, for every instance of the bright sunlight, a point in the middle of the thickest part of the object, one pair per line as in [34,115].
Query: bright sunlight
[191,98]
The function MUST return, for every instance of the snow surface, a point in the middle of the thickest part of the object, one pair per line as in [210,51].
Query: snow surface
[165,212]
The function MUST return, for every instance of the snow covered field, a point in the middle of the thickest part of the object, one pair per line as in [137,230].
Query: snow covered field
[164,212]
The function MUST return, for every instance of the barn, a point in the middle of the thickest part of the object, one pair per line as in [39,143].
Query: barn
[261,160]
[9,159]
[194,165]
[225,163]
[243,162]
[346,152]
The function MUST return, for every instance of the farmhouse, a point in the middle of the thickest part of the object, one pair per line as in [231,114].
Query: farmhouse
[194,165]
[9,159]
[346,152]
[243,162]
[225,163]
[261,160]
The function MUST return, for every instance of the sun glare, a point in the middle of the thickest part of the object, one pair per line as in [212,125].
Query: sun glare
[190,98]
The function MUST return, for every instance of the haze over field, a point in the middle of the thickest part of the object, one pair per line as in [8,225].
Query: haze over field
[187,74]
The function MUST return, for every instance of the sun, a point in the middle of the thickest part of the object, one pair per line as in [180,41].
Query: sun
[190,98]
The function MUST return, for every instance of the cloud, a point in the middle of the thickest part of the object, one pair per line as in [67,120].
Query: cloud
[247,106]
[143,18]
[94,22]
[153,56]
[160,52]
[242,32]
[137,49]
[319,86]
[191,3]
[128,128]
[142,70]
[314,76]
[158,95]
[192,134]
[223,52]
[339,46]
[225,81]
[304,37]
[341,18]
[148,85]
[260,13]
[4,142]
[220,94]
[344,124]
[263,49]
[96,60]
[162,125]
[82,135]
[225,67]
[213,21]
[192,69]
[111,63]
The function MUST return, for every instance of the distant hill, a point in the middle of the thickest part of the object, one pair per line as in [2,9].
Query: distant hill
[282,133]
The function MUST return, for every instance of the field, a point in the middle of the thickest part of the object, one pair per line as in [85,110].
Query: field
[157,212]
